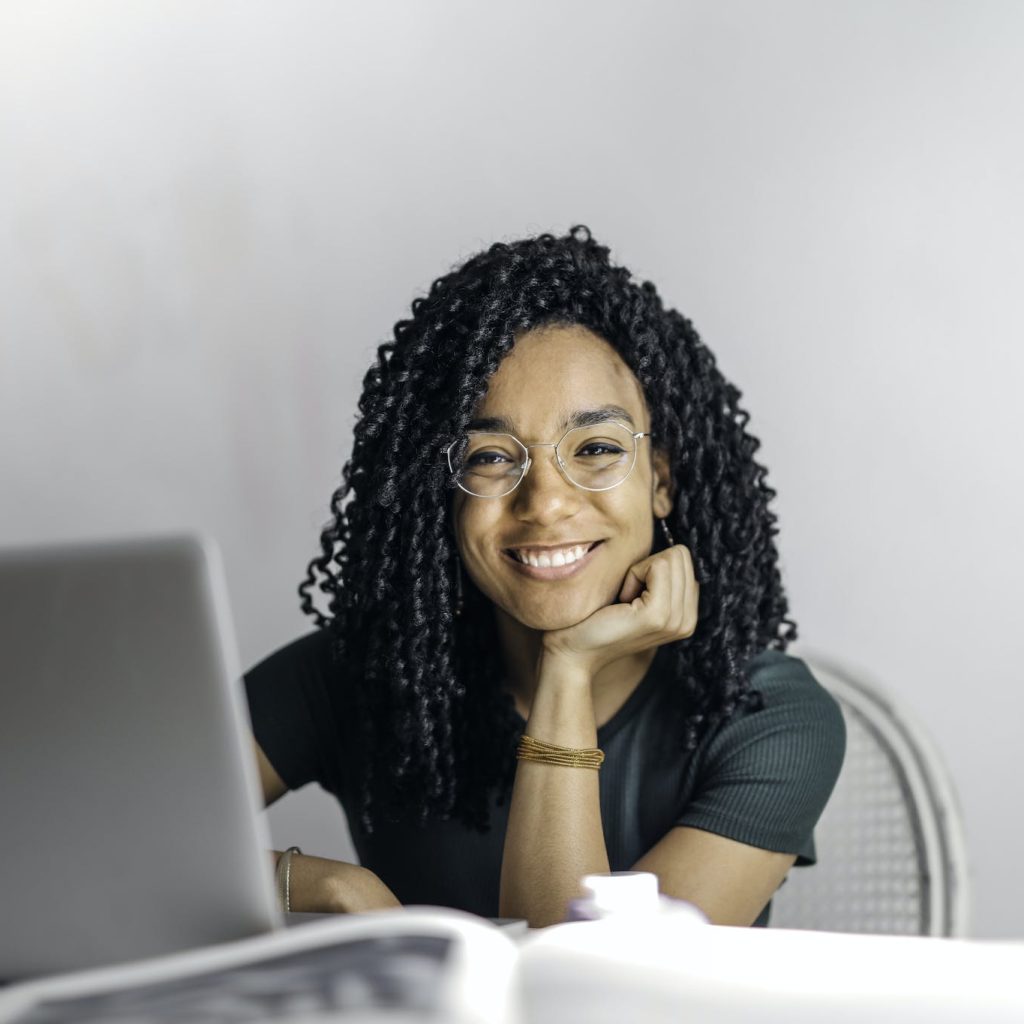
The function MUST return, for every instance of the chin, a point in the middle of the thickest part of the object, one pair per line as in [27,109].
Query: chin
[555,616]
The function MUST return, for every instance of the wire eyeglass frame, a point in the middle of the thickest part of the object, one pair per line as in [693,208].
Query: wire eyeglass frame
[524,466]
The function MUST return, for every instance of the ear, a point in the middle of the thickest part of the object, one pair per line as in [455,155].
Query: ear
[662,487]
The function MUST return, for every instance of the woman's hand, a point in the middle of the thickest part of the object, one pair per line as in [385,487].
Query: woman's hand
[657,604]
[335,887]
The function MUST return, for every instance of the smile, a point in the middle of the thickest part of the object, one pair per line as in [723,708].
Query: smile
[551,563]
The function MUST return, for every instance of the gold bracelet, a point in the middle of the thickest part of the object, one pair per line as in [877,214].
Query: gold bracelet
[531,749]
[284,878]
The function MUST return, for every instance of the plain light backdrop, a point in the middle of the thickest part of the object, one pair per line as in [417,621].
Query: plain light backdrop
[211,213]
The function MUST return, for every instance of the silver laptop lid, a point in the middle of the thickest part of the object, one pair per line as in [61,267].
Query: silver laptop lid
[128,789]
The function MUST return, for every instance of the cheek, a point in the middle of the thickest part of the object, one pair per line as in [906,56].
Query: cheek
[473,525]
[632,514]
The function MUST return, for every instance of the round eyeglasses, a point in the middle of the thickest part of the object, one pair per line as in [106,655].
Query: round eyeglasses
[597,457]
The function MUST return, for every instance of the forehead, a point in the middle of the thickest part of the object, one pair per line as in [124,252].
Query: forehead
[554,372]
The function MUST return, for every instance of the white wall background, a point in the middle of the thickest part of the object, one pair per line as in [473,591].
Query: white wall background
[211,213]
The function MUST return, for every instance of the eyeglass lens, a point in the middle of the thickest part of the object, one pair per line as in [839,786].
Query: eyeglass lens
[594,457]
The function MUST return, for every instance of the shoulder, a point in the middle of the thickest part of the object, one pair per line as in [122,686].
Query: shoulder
[788,687]
[797,723]
[308,657]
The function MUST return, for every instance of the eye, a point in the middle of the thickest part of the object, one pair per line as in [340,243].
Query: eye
[600,448]
[487,458]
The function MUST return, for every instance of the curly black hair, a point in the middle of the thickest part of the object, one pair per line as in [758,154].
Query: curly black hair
[418,696]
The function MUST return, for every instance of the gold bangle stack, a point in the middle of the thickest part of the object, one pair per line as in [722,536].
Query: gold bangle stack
[530,749]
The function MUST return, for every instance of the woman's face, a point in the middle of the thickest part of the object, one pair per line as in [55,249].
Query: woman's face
[551,374]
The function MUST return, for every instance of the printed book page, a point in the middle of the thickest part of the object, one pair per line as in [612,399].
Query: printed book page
[409,964]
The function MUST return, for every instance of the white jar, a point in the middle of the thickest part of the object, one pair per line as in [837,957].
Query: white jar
[626,894]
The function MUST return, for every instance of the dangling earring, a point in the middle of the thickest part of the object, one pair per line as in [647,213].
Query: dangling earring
[667,532]
[458,587]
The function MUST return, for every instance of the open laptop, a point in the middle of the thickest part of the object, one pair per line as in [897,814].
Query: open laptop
[128,789]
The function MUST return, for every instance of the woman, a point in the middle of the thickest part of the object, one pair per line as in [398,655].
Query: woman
[552,526]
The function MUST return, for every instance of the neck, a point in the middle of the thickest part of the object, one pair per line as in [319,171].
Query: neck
[521,649]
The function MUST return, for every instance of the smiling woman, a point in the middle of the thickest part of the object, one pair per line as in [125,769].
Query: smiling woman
[555,628]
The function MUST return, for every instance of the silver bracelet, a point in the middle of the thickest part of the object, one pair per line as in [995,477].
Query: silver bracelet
[283,878]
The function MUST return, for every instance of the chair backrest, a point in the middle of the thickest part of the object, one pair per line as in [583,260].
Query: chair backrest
[890,843]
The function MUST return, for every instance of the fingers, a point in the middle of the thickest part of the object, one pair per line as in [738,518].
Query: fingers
[664,590]
[633,584]
[658,603]
[690,599]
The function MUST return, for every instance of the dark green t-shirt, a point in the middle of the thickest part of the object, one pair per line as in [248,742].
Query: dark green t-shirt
[761,777]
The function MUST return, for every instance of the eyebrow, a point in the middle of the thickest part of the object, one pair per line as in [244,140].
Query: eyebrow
[579,418]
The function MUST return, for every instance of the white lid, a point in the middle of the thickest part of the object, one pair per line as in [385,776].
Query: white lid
[622,891]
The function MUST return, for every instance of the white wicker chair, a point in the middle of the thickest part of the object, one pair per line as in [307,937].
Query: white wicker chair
[890,843]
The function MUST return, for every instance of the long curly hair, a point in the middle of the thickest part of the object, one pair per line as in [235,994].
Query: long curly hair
[418,694]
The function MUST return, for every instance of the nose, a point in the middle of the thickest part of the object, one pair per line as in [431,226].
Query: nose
[544,495]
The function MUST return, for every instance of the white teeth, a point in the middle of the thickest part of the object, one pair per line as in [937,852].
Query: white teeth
[548,559]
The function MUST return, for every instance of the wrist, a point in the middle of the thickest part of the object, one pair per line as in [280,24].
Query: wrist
[562,710]
[563,669]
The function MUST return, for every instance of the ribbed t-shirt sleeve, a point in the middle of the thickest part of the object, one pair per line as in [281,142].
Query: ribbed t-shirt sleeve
[766,775]
[290,709]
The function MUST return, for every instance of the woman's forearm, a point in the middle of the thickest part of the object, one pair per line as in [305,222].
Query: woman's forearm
[554,834]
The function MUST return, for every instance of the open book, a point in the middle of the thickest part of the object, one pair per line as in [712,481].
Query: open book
[443,965]
[411,964]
